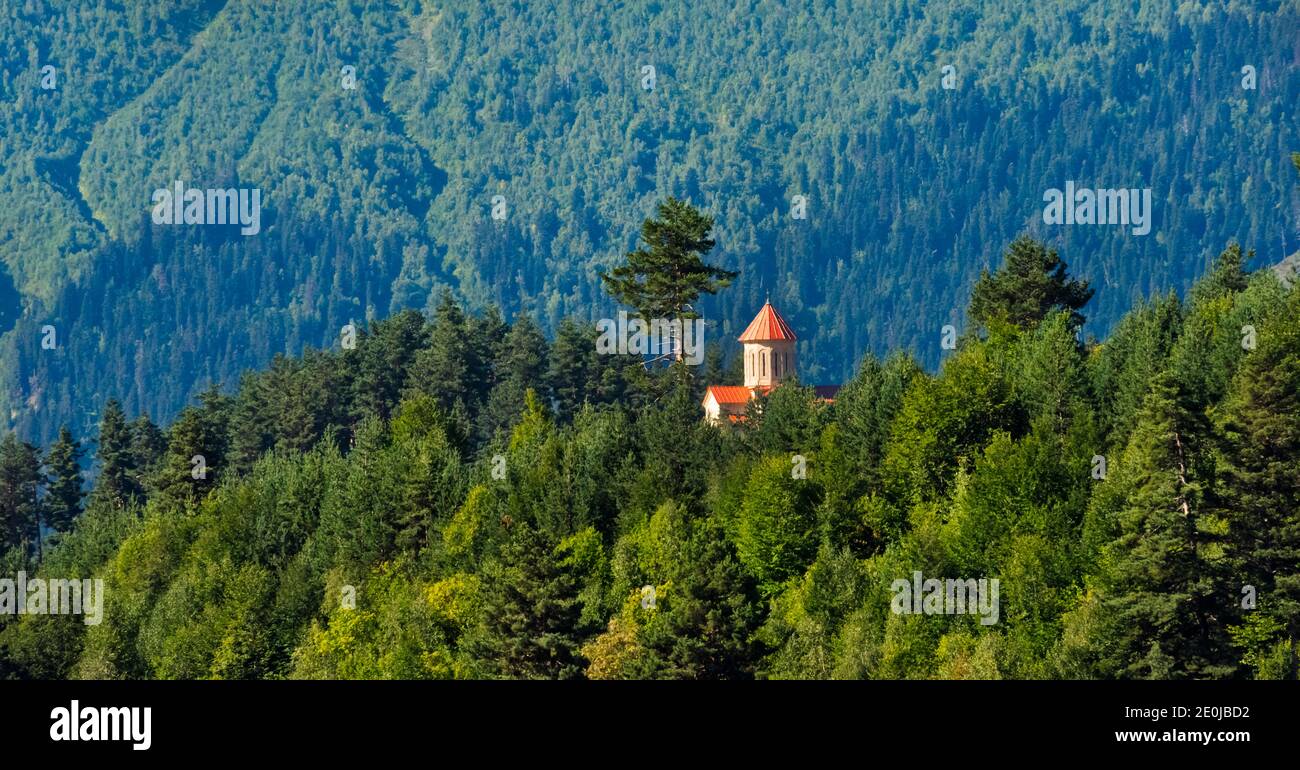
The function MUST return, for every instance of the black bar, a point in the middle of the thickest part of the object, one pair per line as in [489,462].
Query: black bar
[554,720]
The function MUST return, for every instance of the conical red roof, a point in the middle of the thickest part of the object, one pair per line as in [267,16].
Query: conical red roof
[768,325]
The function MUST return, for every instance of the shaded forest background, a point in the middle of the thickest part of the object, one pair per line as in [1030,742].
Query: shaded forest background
[376,199]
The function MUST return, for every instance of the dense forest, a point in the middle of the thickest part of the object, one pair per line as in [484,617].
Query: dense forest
[462,497]
[379,192]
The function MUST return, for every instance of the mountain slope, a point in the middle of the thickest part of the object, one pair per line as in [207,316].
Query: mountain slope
[376,197]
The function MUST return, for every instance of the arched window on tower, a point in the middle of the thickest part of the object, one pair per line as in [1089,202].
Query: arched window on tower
[763,358]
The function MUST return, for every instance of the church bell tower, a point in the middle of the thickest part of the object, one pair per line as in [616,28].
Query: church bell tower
[769,349]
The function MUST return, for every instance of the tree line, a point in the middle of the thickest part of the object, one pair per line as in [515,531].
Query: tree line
[459,497]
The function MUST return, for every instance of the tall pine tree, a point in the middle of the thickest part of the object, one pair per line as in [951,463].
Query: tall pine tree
[663,278]
[531,624]
[64,493]
[117,482]
[1259,492]
[1031,283]
[1163,577]
[20,479]
[704,627]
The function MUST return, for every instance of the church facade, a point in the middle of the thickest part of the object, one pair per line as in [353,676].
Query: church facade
[770,359]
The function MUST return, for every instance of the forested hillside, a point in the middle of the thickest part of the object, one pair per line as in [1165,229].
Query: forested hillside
[378,197]
[460,497]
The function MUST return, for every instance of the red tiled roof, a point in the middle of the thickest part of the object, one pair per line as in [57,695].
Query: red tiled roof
[739,394]
[730,394]
[767,325]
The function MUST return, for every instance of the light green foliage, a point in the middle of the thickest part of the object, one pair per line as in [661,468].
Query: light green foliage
[944,421]
[396,630]
[776,536]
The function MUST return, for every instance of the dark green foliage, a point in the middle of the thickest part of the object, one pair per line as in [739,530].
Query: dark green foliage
[530,627]
[382,363]
[433,476]
[663,278]
[1030,283]
[20,510]
[677,448]
[118,459]
[866,406]
[788,416]
[573,367]
[1162,579]
[197,450]
[706,627]
[447,367]
[64,494]
[1125,365]
[1259,494]
[148,443]
[519,367]
[376,199]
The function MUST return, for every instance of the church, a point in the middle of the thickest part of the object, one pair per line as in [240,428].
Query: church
[769,361]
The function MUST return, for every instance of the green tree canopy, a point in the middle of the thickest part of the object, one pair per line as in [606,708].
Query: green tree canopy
[1031,282]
